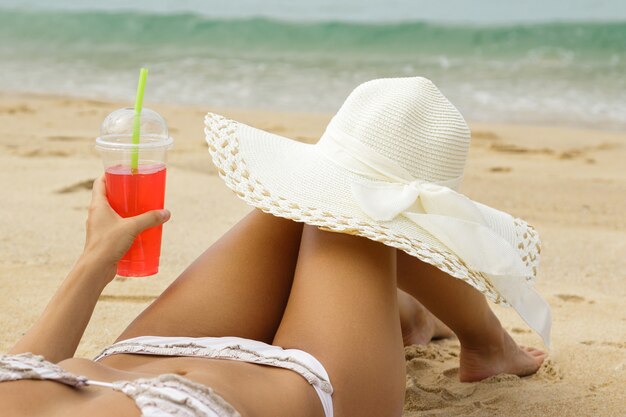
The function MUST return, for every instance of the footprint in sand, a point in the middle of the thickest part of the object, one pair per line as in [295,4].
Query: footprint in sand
[65,138]
[79,186]
[571,154]
[22,108]
[98,103]
[549,371]
[495,379]
[500,169]
[518,330]
[128,298]
[570,298]
[484,134]
[91,112]
[510,148]
[619,345]
[35,153]
[582,152]
[452,373]
[430,352]
[418,365]
[597,387]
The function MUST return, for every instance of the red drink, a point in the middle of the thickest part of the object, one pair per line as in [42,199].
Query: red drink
[132,194]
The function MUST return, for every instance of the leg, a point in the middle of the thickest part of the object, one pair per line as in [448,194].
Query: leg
[237,287]
[343,310]
[486,348]
[419,326]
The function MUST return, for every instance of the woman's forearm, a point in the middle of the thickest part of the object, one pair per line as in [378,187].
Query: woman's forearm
[56,334]
[108,237]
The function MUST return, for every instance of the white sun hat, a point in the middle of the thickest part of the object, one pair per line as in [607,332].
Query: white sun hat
[387,168]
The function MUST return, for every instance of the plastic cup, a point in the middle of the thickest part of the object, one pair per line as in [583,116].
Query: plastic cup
[131,192]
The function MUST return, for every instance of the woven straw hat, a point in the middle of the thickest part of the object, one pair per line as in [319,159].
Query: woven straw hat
[388,168]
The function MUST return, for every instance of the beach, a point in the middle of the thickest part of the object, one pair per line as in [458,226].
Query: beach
[539,70]
[570,183]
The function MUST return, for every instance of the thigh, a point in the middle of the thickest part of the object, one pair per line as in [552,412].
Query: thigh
[343,310]
[237,287]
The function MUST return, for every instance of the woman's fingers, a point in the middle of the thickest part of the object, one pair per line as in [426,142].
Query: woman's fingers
[149,219]
[99,191]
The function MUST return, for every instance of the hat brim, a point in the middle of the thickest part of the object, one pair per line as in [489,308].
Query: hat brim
[293,180]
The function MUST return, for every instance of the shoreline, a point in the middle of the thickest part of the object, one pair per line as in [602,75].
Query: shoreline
[567,182]
[26,95]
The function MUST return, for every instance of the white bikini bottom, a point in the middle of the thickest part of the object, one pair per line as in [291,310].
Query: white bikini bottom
[172,395]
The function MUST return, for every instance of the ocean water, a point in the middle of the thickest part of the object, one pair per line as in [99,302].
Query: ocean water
[561,62]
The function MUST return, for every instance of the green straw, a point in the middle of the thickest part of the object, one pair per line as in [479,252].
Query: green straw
[134,162]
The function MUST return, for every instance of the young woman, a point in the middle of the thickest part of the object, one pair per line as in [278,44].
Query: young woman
[275,319]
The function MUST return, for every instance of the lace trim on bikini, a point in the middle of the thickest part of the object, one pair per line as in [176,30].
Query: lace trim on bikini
[164,395]
[30,366]
[175,396]
[235,351]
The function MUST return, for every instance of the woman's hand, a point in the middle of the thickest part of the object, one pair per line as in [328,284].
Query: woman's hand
[59,329]
[109,236]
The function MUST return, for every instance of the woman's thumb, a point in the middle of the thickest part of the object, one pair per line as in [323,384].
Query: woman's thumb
[150,219]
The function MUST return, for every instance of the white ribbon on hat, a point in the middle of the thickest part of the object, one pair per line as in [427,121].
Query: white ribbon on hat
[449,216]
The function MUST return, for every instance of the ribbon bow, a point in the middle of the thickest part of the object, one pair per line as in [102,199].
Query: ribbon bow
[449,216]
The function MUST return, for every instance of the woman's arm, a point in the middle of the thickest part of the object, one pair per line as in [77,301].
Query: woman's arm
[56,334]
[58,331]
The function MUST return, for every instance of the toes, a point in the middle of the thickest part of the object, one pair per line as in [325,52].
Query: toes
[540,359]
[415,338]
[441,330]
[533,351]
[538,355]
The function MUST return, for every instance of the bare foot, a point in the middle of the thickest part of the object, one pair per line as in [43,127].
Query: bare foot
[419,326]
[502,357]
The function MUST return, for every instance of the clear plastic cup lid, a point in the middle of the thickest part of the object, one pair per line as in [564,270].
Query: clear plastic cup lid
[117,130]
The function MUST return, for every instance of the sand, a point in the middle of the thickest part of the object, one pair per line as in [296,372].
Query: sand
[569,183]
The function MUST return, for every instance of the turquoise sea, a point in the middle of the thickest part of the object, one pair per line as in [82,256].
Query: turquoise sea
[551,62]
